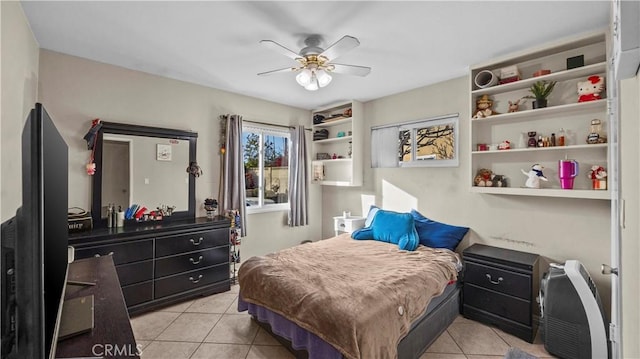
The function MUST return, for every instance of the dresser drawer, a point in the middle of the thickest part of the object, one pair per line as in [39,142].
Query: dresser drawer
[497,303]
[135,272]
[138,293]
[191,261]
[170,245]
[515,284]
[122,252]
[190,280]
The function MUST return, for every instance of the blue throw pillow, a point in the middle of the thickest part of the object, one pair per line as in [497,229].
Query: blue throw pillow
[372,213]
[437,235]
[391,227]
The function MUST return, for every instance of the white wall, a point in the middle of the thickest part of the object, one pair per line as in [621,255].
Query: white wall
[630,173]
[556,228]
[76,90]
[19,74]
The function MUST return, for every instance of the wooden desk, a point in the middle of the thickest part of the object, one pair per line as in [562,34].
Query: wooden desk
[112,336]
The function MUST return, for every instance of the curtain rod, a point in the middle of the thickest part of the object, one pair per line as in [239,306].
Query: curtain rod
[416,121]
[271,124]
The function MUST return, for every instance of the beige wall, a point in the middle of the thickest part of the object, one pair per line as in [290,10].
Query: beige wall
[76,90]
[19,76]
[630,173]
[556,228]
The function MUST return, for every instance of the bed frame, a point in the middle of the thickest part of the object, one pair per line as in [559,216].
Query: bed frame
[440,313]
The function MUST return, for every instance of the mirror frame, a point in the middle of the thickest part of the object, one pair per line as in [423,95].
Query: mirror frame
[146,131]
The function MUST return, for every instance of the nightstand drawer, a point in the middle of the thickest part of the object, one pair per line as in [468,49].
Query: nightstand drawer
[508,282]
[497,303]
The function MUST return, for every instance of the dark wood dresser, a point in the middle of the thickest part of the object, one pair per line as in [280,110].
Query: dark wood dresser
[163,263]
[500,288]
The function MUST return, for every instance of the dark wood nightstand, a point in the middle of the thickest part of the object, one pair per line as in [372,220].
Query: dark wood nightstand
[500,287]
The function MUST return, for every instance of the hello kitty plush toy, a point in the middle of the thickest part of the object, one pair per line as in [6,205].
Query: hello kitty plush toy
[590,90]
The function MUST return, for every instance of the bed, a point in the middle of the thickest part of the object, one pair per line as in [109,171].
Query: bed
[345,298]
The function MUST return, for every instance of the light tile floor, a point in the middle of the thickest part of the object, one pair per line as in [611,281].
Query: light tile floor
[211,327]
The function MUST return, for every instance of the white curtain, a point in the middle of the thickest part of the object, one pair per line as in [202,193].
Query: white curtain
[298,179]
[384,147]
[233,196]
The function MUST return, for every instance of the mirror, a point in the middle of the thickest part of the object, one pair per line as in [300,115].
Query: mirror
[145,166]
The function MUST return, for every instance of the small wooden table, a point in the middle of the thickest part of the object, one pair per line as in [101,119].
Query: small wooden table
[112,336]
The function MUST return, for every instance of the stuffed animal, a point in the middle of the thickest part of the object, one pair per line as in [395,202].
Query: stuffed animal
[499,181]
[534,176]
[514,106]
[505,145]
[590,90]
[483,107]
[484,178]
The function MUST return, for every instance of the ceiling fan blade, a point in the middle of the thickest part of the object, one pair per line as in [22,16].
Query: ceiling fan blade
[279,48]
[340,47]
[286,69]
[350,69]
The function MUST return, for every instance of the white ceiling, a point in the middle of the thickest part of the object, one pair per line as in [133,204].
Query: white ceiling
[215,44]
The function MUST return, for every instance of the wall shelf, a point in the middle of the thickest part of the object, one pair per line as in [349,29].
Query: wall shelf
[565,114]
[345,171]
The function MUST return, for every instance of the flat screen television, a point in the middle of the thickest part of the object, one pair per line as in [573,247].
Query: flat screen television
[34,244]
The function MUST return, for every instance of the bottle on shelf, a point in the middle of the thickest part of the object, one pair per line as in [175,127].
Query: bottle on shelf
[561,137]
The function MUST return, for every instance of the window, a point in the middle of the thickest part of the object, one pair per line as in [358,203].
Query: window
[430,142]
[266,167]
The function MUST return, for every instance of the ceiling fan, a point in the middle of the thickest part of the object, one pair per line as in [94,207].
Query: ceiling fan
[315,63]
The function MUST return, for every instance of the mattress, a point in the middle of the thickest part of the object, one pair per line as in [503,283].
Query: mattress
[441,311]
[362,297]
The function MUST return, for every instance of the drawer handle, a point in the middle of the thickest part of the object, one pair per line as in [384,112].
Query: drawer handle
[108,254]
[194,281]
[194,262]
[342,225]
[196,243]
[500,279]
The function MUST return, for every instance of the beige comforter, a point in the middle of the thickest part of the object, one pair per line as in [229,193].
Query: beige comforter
[359,296]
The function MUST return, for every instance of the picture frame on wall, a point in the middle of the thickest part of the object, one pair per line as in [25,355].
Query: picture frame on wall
[163,152]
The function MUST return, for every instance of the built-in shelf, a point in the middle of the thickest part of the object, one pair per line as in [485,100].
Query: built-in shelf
[601,146]
[344,141]
[528,115]
[584,71]
[563,115]
[545,192]
[335,139]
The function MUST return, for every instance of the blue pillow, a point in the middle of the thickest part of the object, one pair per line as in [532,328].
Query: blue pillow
[391,227]
[372,213]
[437,235]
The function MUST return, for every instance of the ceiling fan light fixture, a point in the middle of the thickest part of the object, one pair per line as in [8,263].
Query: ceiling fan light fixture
[313,85]
[304,77]
[323,78]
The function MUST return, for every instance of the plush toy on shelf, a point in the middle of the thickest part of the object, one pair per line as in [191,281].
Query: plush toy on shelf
[590,90]
[534,176]
[483,107]
[486,178]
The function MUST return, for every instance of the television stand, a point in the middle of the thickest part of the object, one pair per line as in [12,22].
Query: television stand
[111,326]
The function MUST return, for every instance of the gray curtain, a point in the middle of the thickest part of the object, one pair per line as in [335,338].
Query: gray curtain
[233,171]
[298,179]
